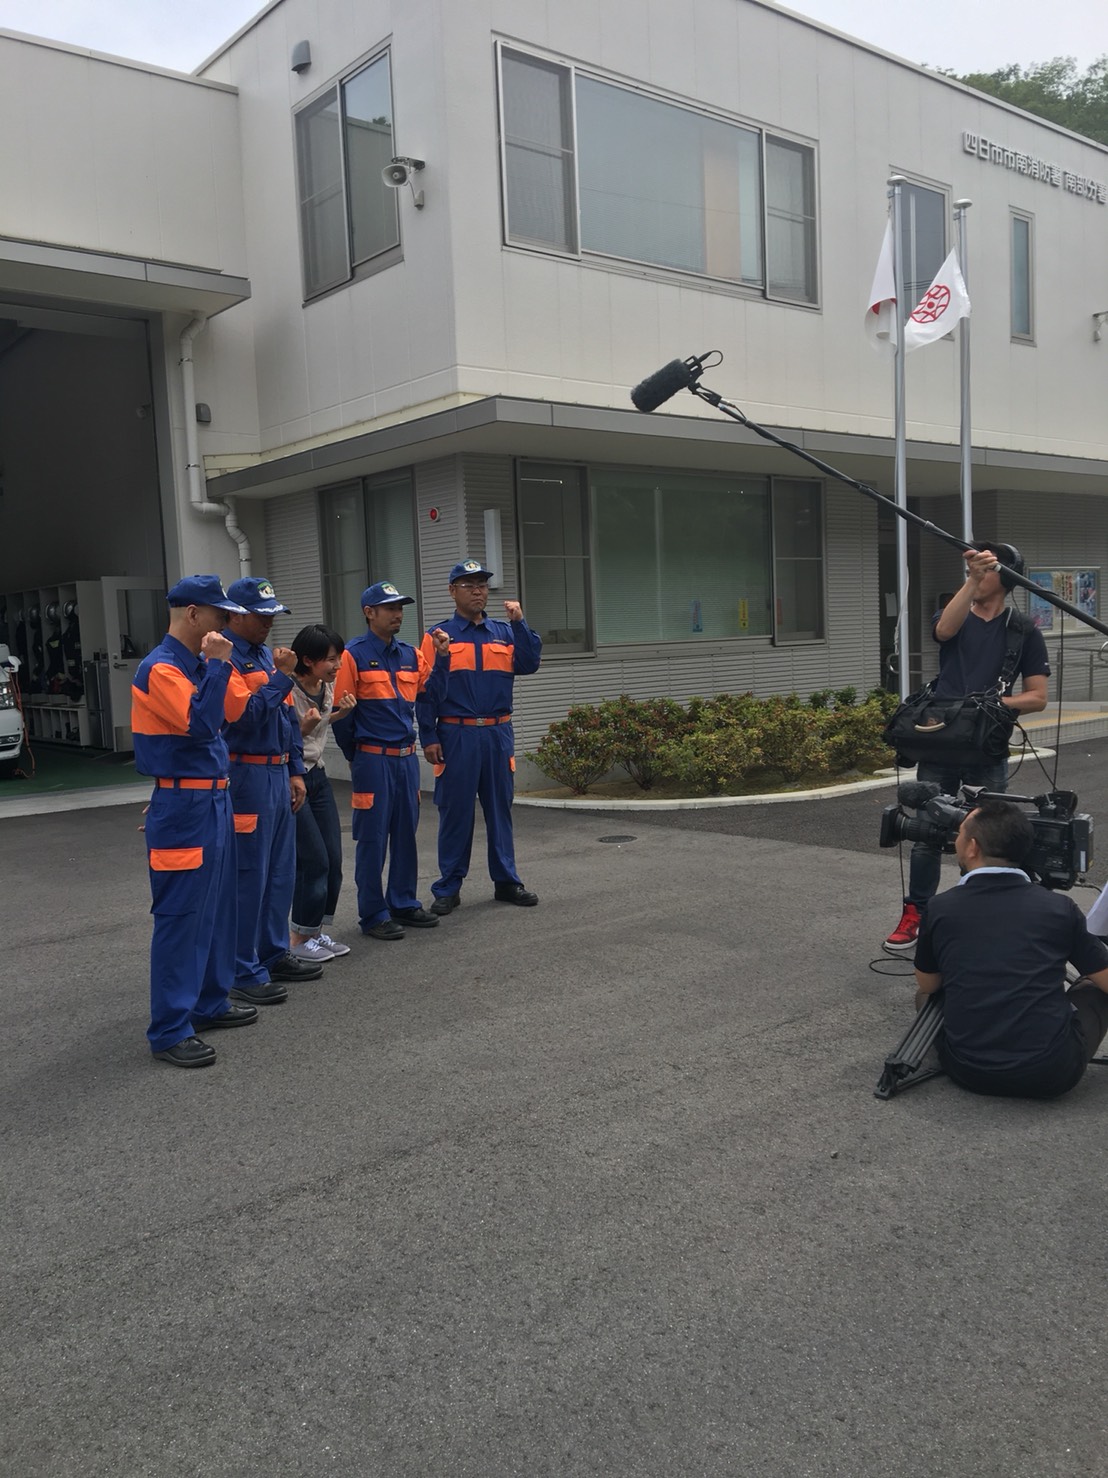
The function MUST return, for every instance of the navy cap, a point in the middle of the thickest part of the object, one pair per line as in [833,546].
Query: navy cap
[203,590]
[469,567]
[255,594]
[385,593]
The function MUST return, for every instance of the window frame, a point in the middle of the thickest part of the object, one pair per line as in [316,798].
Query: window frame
[778,638]
[561,649]
[1018,336]
[916,182]
[587,256]
[363,484]
[389,256]
[777,136]
[657,645]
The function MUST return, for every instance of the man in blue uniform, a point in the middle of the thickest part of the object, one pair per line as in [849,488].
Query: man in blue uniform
[267,788]
[177,713]
[378,738]
[468,737]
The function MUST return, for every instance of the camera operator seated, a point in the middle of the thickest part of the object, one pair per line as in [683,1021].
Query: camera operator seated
[997,947]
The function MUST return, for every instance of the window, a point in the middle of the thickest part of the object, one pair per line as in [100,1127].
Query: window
[680,557]
[797,560]
[368,534]
[791,220]
[554,539]
[922,240]
[348,215]
[1022,323]
[591,167]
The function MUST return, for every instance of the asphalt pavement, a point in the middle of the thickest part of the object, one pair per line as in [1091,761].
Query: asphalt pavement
[599,1187]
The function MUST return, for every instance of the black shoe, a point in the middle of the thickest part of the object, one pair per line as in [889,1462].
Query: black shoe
[446,904]
[288,967]
[233,1016]
[389,929]
[515,893]
[417,918]
[270,994]
[192,1052]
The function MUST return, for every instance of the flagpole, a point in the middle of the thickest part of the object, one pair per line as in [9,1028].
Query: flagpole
[960,208]
[900,472]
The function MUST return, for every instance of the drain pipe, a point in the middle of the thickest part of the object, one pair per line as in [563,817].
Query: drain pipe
[197,501]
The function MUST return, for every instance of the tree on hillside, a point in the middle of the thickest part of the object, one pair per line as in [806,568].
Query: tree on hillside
[1055,90]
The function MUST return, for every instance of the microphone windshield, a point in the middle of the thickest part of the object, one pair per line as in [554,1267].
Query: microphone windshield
[663,384]
[916,793]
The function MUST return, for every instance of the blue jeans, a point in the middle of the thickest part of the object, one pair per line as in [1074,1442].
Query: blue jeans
[318,856]
[926,861]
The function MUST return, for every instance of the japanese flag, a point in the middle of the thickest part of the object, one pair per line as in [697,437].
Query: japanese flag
[944,303]
[881,313]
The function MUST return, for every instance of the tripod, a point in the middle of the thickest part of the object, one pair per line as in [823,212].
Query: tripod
[904,1065]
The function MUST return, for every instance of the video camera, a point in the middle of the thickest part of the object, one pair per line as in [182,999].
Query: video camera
[1062,836]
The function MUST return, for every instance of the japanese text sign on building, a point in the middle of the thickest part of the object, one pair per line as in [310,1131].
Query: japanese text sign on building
[990,152]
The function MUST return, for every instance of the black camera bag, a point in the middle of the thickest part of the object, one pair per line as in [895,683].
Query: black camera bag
[959,731]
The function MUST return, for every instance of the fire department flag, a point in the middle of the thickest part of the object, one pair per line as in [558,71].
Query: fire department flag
[944,303]
[881,313]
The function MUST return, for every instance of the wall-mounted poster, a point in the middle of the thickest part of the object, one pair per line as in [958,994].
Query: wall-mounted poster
[1080,587]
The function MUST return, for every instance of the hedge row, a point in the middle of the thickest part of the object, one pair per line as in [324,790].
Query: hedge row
[718,744]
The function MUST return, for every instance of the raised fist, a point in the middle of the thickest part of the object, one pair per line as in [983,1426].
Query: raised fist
[284,659]
[513,610]
[441,641]
[215,647]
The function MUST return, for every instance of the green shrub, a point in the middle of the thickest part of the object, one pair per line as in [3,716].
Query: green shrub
[717,743]
[576,750]
[852,737]
[791,738]
[708,761]
[637,729]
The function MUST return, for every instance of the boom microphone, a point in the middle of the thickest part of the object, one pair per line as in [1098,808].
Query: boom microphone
[663,384]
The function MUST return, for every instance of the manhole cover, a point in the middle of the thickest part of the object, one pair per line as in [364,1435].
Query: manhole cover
[617,839]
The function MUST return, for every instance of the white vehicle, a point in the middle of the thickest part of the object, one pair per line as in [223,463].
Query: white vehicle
[11,720]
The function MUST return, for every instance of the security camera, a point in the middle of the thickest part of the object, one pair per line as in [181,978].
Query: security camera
[398,173]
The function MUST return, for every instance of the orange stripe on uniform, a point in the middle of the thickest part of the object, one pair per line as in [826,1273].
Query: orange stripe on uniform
[497,657]
[166,706]
[375,685]
[409,684]
[245,822]
[176,859]
[463,656]
[362,800]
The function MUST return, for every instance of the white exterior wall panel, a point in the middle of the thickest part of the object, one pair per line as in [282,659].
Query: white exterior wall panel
[115,157]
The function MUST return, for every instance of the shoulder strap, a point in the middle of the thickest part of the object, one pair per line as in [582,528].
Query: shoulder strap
[1016,628]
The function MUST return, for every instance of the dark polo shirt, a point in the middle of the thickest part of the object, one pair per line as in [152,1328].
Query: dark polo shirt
[1001,943]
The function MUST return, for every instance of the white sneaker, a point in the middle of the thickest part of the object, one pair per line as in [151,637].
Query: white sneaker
[313,950]
[333,945]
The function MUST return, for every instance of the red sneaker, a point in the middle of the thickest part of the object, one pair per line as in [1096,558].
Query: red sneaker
[906,933]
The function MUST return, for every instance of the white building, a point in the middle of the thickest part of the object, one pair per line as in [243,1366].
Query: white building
[386,380]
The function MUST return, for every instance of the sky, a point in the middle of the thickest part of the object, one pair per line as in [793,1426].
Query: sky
[962,35]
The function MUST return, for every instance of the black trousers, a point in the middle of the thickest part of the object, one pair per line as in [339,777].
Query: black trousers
[1055,1075]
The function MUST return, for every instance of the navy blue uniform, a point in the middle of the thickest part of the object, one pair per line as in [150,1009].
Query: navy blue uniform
[473,724]
[265,745]
[177,713]
[378,738]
